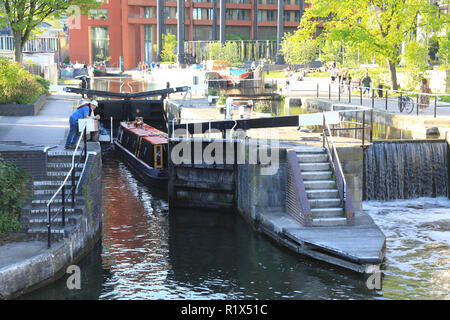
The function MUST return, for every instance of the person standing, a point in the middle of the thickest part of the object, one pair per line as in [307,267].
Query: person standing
[424,100]
[366,83]
[82,112]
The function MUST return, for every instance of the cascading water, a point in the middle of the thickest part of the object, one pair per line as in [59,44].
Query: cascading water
[406,170]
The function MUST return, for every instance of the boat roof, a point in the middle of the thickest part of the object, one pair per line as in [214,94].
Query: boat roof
[148,133]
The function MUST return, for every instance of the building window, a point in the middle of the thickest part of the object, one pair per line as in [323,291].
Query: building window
[208,1]
[267,15]
[99,43]
[237,14]
[170,12]
[238,1]
[98,14]
[267,1]
[292,2]
[149,12]
[202,13]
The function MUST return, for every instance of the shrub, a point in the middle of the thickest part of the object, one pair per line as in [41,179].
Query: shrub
[263,107]
[19,86]
[12,195]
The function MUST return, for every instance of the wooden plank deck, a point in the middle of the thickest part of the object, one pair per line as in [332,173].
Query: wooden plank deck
[352,247]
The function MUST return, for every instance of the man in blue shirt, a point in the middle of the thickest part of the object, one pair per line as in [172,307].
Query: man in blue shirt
[84,111]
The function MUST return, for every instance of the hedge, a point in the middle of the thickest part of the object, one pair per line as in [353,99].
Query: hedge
[18,86]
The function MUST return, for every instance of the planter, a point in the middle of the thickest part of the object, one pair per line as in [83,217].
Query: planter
[20,110]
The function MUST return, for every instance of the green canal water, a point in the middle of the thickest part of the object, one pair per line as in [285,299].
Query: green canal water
[146,252]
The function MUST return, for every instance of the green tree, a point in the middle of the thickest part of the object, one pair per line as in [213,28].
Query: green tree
[25,16]
[299,51]
[168,53]
[228,52]
[376,26]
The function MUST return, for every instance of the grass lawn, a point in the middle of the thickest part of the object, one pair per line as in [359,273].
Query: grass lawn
[276,74]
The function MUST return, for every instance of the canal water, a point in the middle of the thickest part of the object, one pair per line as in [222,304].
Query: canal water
[147,253]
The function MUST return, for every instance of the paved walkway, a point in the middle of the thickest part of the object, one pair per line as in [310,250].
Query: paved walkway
[308,89]
[48,128]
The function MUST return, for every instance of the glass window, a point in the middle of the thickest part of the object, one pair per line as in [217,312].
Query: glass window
[267,1]
[98,14]
[267,15]
[237,14]
[99,43]
[149,12]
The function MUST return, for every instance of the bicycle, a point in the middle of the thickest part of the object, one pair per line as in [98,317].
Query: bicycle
[405,103]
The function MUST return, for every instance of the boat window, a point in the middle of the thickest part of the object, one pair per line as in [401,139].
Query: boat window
[158,156]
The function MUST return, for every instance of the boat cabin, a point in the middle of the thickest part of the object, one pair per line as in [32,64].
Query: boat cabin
[146,143]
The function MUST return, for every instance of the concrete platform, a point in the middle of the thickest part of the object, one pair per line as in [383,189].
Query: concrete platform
[351,247]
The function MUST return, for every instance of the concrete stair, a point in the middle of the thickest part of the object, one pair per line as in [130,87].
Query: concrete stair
[321,188]
[58,165]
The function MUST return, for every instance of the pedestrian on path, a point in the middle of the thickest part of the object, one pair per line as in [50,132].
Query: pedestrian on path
[366,81]
[82,112]
[424,100]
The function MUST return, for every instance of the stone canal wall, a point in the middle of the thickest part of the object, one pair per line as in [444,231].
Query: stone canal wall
[43,265]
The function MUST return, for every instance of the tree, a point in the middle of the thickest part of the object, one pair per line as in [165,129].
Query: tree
[375,26]
[299,51]
[25,16]
[169,46]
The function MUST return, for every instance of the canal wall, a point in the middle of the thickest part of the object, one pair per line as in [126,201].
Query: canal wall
[21,273]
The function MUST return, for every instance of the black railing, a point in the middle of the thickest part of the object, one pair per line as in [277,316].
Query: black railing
[62,189]
[346,92]
[341,183]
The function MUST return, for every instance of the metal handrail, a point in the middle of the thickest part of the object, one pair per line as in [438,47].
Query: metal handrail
[334,157]
[61,188]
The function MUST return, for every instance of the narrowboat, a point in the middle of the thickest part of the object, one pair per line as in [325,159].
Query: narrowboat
[144,149]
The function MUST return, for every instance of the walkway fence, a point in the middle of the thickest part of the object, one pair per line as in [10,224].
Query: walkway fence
[41,44]
[379,98]
[248,50]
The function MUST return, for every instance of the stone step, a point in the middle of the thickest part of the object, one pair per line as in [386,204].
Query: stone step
[43,199]
[63,166]
[51,184]
[320,184]
[40,232]
[315,166]
[41,219]
[322,193]
[309,149]
[42,209]
[327,212]
[325,203]
[314,158]
[329,222]
[317,175]
[61,175]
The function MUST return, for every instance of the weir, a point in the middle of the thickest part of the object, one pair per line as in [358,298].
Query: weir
[406,169]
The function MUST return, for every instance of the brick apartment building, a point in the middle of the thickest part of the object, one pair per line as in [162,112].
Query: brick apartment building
[128,28]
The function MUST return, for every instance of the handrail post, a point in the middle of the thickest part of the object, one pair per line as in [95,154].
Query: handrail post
[417,105]
[339,93]
[63,204]
[49,232]
[349,94]
[373,97]
[329,92]
[317,89]
[323,131]
[73,187]
[435,105]
[386,99]
[371,125]
[360,95]
[363,127]
[85,143]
